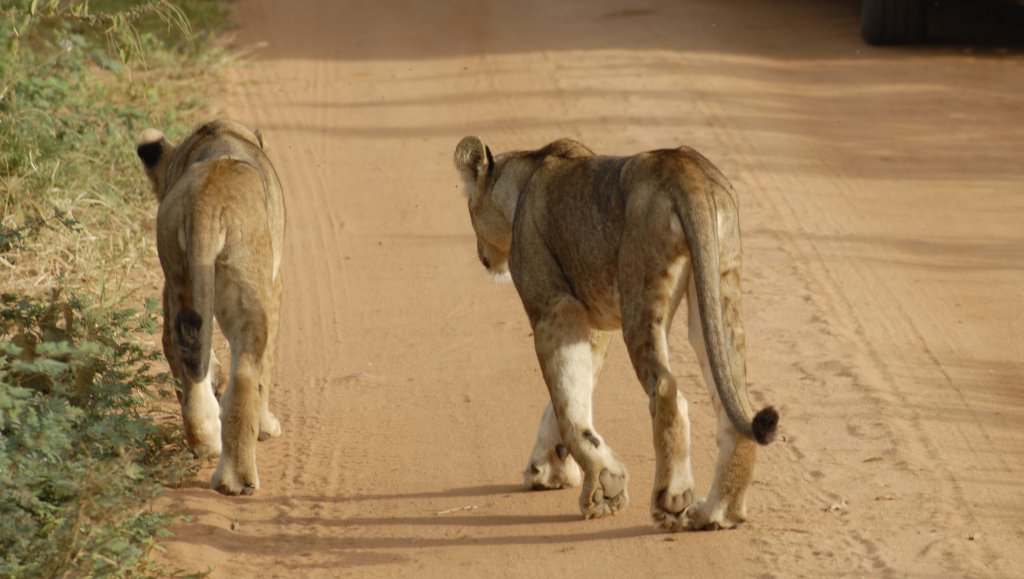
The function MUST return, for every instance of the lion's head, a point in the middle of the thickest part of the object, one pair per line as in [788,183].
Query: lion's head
[488,198]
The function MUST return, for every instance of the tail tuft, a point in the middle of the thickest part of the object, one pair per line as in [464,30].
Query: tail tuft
[765,424]
[188,341]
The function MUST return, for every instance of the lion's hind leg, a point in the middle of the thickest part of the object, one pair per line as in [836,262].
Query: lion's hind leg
[236,471]
[245,325]
[652,284]
[725,506]
[673,491]
[270,426]
[563,342]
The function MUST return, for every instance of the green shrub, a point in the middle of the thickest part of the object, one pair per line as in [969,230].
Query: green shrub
[81,455]
[83,447]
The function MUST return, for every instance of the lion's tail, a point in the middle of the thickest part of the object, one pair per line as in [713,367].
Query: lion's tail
[697,213]
[193,326]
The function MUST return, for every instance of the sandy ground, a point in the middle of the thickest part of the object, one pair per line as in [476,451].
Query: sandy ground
[883,197]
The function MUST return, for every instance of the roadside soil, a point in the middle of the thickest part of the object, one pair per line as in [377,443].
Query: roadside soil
[883,202]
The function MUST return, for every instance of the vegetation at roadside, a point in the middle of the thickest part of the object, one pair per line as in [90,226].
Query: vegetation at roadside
[83,449]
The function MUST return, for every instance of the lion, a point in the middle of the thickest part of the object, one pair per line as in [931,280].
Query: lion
[594,244]
[220,230]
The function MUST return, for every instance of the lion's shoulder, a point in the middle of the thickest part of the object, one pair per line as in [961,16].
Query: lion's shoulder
[563,149]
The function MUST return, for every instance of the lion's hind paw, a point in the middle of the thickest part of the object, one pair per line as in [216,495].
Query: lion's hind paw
[669,510]
[604,496]
[706,517]
[232,481]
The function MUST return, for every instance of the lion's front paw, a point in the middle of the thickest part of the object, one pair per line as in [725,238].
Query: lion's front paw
[705,516]
[556,469]
[270,427]
[200,415]
[203,437]
[669,509]
[605,494]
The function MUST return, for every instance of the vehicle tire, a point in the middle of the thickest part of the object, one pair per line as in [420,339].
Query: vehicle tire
[893,21]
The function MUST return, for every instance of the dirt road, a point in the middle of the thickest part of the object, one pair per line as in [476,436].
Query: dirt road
[883,197]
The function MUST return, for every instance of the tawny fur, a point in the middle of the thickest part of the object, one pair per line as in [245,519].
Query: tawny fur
[220,231]
[594,244]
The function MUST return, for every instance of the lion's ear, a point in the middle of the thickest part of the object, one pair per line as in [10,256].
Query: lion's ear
[259,137]
[473,158]
[151,147]
[156,153]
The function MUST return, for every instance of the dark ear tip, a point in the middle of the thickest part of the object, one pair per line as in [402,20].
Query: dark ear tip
[150,153]
[765,425]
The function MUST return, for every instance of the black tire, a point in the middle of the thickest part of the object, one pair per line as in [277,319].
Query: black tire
[893,21]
